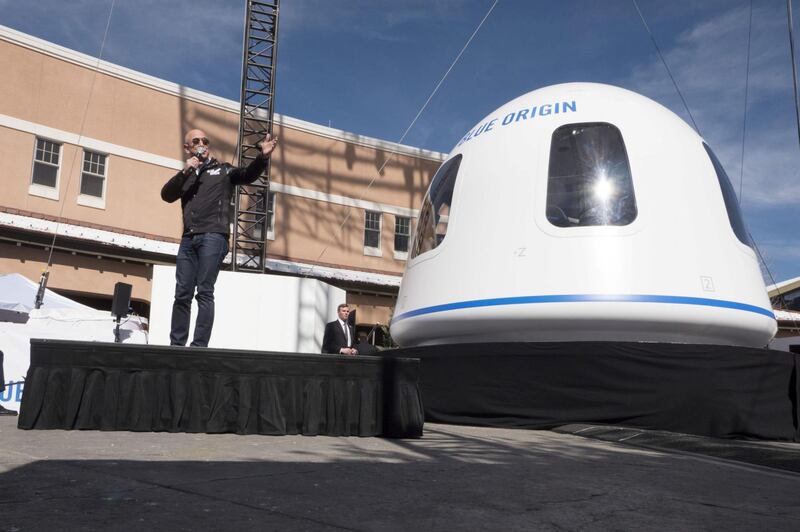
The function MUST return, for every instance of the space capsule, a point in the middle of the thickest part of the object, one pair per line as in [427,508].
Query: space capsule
[582,212]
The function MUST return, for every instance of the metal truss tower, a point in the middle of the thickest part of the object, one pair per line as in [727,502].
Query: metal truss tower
[255,121]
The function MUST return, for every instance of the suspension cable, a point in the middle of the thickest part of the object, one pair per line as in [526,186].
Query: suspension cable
[781,300]
[794,66]
[666,66]
[744,112]
[80,136]
[403,136]
[780,297]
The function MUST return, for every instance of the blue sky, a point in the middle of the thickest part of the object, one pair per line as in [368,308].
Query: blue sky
[367,66]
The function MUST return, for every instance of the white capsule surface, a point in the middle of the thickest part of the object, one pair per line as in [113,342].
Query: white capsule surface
[582,212]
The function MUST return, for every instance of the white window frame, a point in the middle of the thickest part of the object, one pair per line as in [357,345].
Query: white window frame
[88,200]
[271,219]
[402,255]
[270,228]
[43,191]
[369,250]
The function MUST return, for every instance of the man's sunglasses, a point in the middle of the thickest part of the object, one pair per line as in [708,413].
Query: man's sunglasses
[197,140]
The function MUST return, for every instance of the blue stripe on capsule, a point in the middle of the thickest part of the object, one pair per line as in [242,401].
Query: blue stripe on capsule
[575,298]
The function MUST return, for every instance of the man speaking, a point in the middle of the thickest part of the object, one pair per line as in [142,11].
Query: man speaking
[205,187]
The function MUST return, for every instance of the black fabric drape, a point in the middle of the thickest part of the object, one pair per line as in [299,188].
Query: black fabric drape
[82,385]
[695,389]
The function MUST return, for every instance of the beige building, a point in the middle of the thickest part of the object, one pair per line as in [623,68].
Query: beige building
[87,145]
[785,297]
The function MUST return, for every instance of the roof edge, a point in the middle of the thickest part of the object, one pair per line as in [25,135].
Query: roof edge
[782,287]
[36,44]
[148,245]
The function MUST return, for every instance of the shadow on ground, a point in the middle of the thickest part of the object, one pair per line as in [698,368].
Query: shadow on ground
[453,478]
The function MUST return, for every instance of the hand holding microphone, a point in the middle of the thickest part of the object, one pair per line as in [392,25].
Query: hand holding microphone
[192,164]
[199,154]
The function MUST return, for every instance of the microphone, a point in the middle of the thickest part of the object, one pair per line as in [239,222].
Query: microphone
[200,152]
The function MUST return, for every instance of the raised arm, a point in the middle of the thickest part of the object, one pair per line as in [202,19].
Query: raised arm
[244,176]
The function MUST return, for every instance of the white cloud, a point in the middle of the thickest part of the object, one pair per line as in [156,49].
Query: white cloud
[709,64]
[305,15]
[153,36]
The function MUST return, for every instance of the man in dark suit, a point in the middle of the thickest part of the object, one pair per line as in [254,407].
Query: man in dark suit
[339,335]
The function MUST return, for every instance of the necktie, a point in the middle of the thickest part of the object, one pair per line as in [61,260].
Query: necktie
[346,333]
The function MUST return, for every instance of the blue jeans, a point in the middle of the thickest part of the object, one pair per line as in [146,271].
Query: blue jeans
[199,259]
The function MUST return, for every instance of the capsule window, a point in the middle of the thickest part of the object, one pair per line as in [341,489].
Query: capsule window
[589,178]
[435,213]
[729,196]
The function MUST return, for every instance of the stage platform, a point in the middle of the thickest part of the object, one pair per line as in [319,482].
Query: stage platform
[102,386]
[718,391]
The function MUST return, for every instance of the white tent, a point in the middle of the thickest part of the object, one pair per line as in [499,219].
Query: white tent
[18,293]
[59,317]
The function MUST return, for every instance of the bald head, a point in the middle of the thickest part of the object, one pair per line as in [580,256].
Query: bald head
[193,134]
[197,140]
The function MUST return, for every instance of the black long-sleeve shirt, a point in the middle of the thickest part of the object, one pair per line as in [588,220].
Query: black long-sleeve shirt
[206,196]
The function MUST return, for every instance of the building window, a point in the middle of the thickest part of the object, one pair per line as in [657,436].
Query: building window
[434,215]
[93,180]
[402,232]
[729,197]
[271,216]
[46,161]
[792,300]
[257,222]
[589,178]
[372,233]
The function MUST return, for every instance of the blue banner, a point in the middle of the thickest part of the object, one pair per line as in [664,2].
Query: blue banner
[12,393]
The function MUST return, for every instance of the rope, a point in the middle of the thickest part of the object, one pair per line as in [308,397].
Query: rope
[80,135]
[403,136]
[686,106]
[666,66]
[794,66]
[746,87]
[781,298]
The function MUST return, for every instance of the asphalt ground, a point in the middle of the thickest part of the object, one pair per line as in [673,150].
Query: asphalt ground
[453,478]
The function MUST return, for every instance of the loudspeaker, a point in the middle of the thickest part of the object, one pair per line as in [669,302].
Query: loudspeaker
[122,300]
